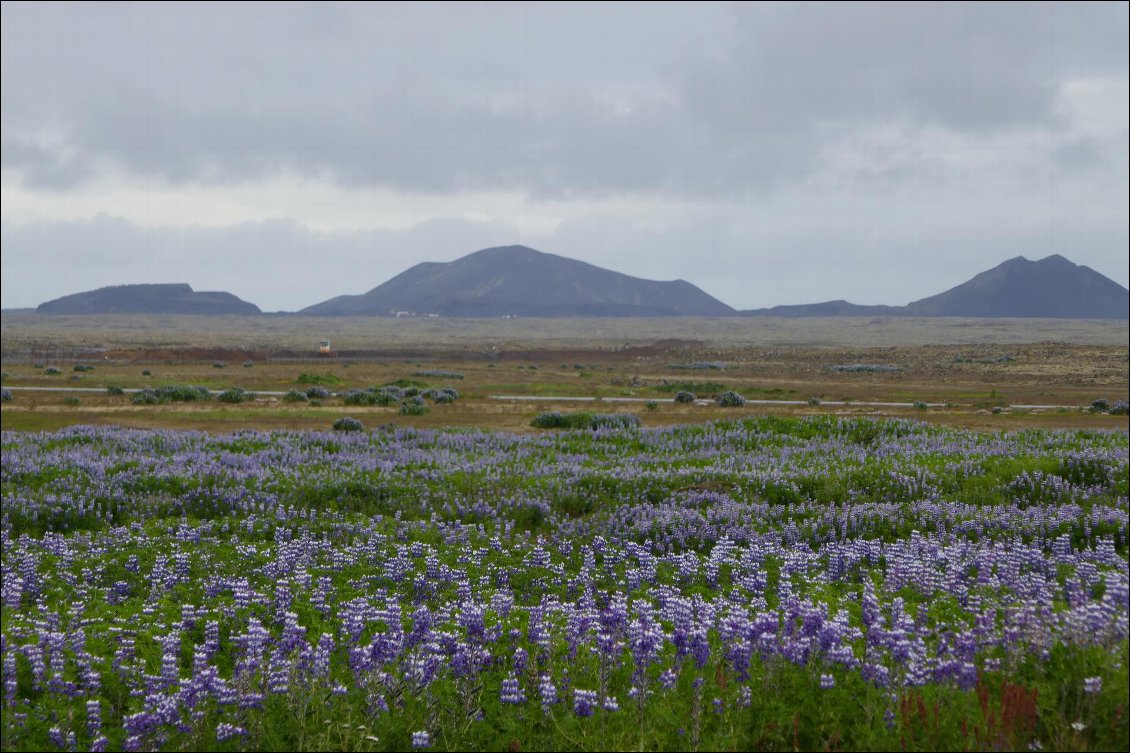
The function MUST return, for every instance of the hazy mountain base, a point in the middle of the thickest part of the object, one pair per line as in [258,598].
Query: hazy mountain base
[22,332]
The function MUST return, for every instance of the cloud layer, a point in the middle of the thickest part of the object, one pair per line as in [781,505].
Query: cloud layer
[743,135]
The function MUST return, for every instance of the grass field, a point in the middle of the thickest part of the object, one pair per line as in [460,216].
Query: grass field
[798,575]
[972,365]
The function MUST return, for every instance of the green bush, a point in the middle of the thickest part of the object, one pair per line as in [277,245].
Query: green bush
[235,395]
[348,423]
[52,371]
[730,399]
[683,396]
[295,396]
[72,400]
[413,406]
[326,378]
[176,393]
[115,390]
[5,395]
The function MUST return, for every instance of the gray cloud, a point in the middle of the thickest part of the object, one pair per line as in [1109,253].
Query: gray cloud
[552,101]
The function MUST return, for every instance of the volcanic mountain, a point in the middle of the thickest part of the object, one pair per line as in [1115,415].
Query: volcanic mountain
[519,281]
[1052,287]
[148,299]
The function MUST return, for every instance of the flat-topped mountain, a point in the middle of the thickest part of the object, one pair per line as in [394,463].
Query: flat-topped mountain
[519,281]
[177,298]
[1053,287]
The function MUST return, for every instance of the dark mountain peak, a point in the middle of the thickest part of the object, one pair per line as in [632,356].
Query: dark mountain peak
[522,281]
[1053,287]
[149,298]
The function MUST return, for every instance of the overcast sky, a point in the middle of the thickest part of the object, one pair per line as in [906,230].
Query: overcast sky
[767,153]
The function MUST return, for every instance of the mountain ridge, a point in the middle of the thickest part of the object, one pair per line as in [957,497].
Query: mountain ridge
[148,298]
[521,281]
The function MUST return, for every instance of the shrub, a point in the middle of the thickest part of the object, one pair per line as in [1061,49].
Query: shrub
[442,395]
[1100,406]
[374,396]
[247,364]
[146,372]
[997,410]
[115,390]
[5,395]
[37,366]
[235,395]
[413,406]
[52,371]
[82,367]
[814,401]
[71,400]
[730,399]
[317,393]
[218,364]
[295,396]
[920,404]
[651,405]
[559,420]
[682,396]
[348,423]
[1120,408]
[172,394]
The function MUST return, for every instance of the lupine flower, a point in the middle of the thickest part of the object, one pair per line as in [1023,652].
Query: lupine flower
[225,731]
[512,691]
[1092,685]
[584,701]
[421,739]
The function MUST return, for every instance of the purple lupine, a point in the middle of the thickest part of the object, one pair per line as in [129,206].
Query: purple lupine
[548,692]
[584,701]
[512,691]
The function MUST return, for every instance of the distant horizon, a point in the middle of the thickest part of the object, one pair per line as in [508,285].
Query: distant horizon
[298,311]
[768,153]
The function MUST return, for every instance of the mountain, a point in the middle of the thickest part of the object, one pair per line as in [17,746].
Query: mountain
[1050,287]
[148,299]
[827,308]
[1053,287]
[519,281]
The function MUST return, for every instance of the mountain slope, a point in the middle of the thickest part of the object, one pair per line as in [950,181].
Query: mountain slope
[148,299]
[519,281]
[1050,287]
[1053,287]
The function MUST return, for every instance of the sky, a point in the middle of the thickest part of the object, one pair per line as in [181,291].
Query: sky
[768,153]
